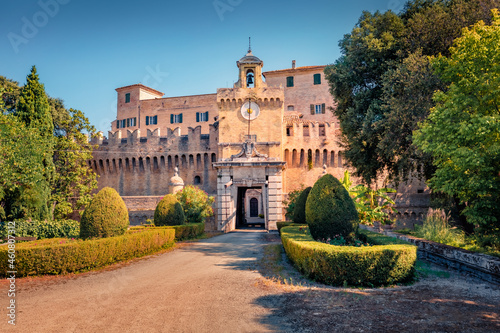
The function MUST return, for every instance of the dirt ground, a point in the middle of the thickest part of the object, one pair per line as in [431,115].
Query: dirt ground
[242,282]
[441,300]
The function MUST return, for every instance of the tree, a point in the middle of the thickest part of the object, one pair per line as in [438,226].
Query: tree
[33,110]
[74,180]
[196,203]
[462,130]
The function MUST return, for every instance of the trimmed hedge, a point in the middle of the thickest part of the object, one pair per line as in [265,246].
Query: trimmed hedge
[60,256]
[283,224]
[299,212]
[169,212]
[42,229]
[377,265]
[105,216]
[182,232]
[330,211]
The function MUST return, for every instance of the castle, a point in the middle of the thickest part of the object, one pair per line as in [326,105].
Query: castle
[248,145]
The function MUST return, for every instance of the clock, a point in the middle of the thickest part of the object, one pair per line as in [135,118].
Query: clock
[250,110]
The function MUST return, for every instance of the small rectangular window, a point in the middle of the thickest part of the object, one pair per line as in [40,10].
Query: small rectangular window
[176,118]
[317,78]
[291,108]
[289,131]
[117,124]
[289,81]
[201,117]
[151,120]
[127,98]
[305,130]
[322,131]
[124,123]
[318,108]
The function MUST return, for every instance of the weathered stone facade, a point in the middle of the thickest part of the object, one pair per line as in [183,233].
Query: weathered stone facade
[291,136]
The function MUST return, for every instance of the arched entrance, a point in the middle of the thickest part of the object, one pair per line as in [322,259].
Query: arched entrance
[254,207]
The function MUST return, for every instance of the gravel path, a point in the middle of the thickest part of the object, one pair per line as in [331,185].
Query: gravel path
[206,286]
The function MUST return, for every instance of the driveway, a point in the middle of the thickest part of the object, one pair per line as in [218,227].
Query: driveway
[207,286]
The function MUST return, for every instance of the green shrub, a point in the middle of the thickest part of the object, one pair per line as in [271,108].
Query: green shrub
[292,200]
[299,213]
[182,232]
[196,203]
[436,227]
[283,224]
[330,211]
[42,229]
[60,256]
[377,265]
[105,216]
[168,212]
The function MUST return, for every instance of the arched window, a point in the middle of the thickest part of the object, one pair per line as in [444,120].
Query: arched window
[197,180]
[254,207]
[250,79]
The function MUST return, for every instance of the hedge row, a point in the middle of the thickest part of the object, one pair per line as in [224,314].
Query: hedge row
[57,256]
[376,265]
[283,224]
[42,229]
[182,232]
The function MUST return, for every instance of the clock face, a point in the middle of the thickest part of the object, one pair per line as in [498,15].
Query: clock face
[250,110]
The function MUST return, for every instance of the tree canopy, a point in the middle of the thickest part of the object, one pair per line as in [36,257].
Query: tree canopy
[462,132]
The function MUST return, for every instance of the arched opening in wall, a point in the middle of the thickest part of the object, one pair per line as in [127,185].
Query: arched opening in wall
[287,158]
[316,158]
[101,165]
[254,207]
[148,163]
[250,77]
[302,158]
[169,163]
[95,165]
[339,156]
[89,163]
[325,157]
[305,130]
[107,166]
[162,162]
[294,158]
[332,159]
[191,161]
[133,163]
[120,164]
[214,159]
[176,161]
[114,165]
[155,163]
[198,162]
[309,159]
[197,180]
[205,161]
[127,163]
[183,162]
[141,164]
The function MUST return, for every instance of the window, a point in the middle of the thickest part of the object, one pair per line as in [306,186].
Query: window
[127,98]
[176,118]
[318,108]
[289,131]
[124,123]
[129,122]
[289,81]
[197,180]
[201,116]
[117,124]
[322,130]
[317,78]
[305,130]
[291,108]
[151,120]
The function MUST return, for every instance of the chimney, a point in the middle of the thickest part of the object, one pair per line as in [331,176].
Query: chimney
[293,64]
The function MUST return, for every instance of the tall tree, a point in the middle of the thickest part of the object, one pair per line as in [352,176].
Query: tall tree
[462,132]
[33,109]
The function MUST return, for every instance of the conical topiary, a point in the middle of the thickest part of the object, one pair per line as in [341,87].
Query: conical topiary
[330,211]
[299,211]
[169,212]
[105,216]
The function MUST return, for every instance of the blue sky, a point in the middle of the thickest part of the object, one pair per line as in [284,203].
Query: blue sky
[83,50]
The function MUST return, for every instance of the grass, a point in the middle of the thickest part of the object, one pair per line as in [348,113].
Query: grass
[437,228]
[424,270]
[272,267]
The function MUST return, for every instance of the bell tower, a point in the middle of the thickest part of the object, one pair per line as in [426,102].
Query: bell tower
[250,71]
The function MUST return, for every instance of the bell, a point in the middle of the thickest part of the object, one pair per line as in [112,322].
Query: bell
[249,80]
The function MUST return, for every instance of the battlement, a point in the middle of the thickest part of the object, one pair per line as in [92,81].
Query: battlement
[193,140]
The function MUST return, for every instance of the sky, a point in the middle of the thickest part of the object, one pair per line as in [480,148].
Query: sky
[84,49]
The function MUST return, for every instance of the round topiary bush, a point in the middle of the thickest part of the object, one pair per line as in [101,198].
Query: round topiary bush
[330,211]
[299,211]
[169,212]
[105,216]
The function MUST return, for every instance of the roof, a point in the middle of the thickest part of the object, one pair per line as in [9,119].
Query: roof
[295,70]
[143,87]
[249,58]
